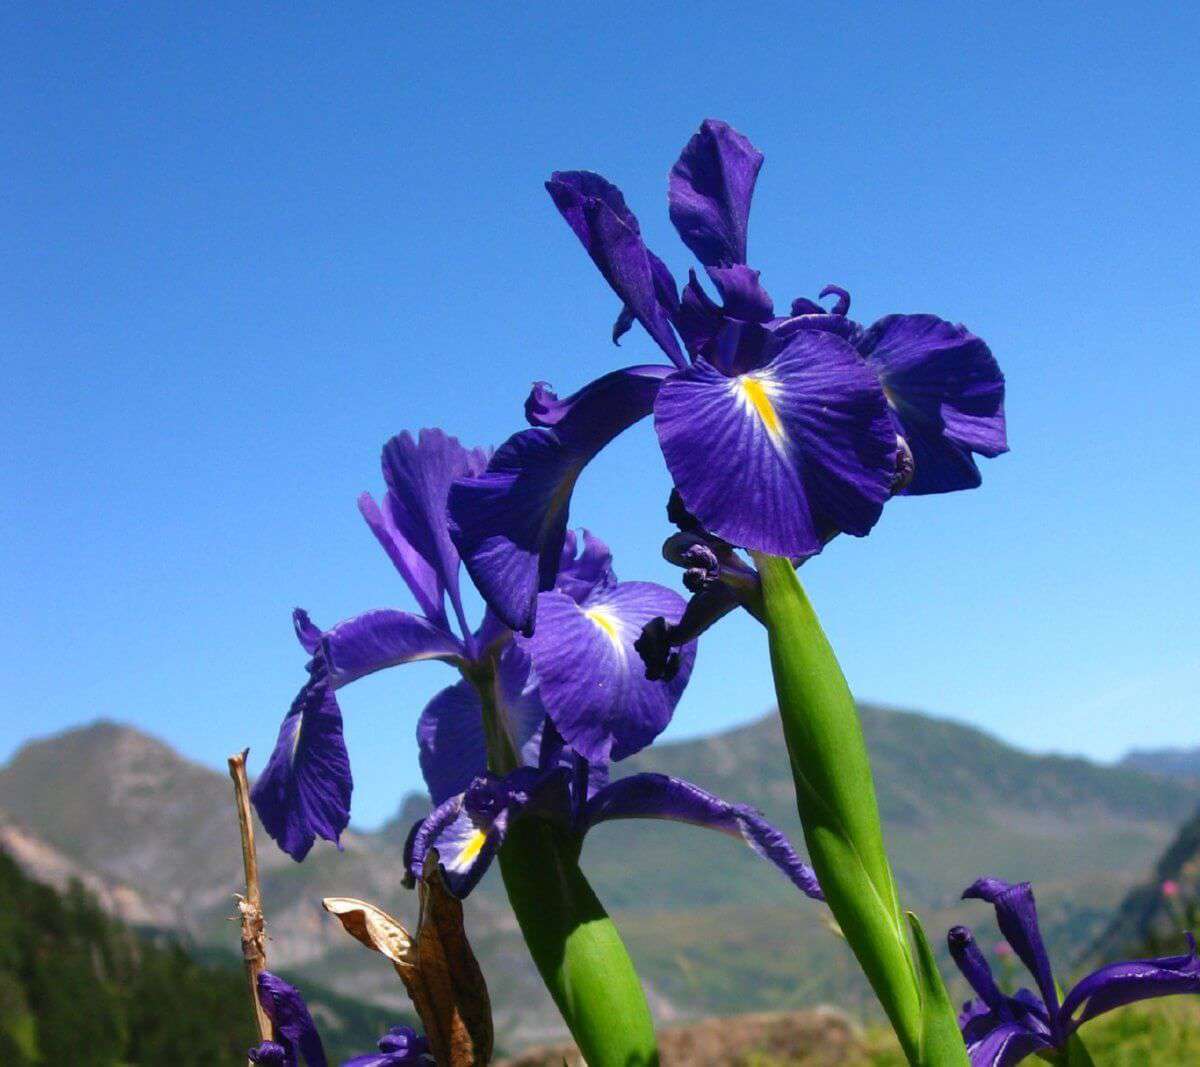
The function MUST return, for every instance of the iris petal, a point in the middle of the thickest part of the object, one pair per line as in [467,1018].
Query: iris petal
[510,522]
[451,741]
[595,209]
[590,676]
[1004,1045]
[418,575]
[304,791]
[770,458]
[1016,915]
[385,638]
[294,1026]
[659,796]
[709,193]
[947,393]
[1119,984]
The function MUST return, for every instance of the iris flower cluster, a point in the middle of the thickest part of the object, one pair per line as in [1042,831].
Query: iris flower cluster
[563,703]
[1002,1030]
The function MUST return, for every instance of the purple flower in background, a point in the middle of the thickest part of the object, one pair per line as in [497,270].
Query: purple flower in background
[778,431]
[296,1037]
[400,1046]
[576,794]
[1001,1030]
[581,669]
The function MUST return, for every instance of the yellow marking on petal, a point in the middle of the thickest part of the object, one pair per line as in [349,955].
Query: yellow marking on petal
[756,393]
[473,847]
[607,622]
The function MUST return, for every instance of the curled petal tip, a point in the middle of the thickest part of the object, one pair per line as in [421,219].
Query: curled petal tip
[843,298]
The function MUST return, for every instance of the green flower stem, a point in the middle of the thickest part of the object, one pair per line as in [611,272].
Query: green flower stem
[835,795]
[576,947]
[573,942]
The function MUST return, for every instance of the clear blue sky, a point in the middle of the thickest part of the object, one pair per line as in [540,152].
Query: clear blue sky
[242,248]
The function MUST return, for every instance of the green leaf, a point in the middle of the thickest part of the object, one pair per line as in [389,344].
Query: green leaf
[941,1041]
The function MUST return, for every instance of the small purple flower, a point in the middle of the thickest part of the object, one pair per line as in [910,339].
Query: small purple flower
[576,794]
[399,1047]
[296,1036]
[581,669]
[778,431]
[1001,1030]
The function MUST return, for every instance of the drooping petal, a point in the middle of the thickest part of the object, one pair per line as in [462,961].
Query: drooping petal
[451,741]
[304,791]
[385,638]
[1005,1044]
[1119,984]
[591,677]
[947,393]
[510,522]
[709,192]
[418,575]
[659,796]
[769,458]
[294,1026]
[595,209]
[1016,915]
[418,475]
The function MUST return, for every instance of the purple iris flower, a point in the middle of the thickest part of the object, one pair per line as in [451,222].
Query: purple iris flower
[581,669]
[1001,1030]
[576,794]
[399,1047]
[778,431]
[296,1036]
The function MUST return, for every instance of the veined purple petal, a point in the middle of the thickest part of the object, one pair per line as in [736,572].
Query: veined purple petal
[385,638]
[595,209]
[709,192]
[770,458]
[304,791]
[1016,915]
[418,475]
[418,575]
[451,741]
[741,294]
[294,1026]
[659,796]
[510,522]
[1006,1044]
[1119,984]
[590,676]
[947,393]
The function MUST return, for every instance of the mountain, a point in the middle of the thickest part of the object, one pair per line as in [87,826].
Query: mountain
[713,929]
[1173,762]
[1149,920]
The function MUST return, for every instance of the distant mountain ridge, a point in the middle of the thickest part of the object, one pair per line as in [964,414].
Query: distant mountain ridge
[712,928]
[1172,762]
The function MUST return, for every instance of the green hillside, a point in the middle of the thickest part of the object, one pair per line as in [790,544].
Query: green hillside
[77,987]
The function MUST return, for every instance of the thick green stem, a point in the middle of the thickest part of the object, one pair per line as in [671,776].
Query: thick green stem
[576,947]
[573,942]
[835,795]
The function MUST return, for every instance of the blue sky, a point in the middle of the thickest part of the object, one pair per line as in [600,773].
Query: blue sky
[243,247]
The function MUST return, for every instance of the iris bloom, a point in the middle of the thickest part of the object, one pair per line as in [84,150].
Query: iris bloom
[296,1034]
[778,430]
[1001,1030]
[399,1047]
[580,669]
[576,794]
